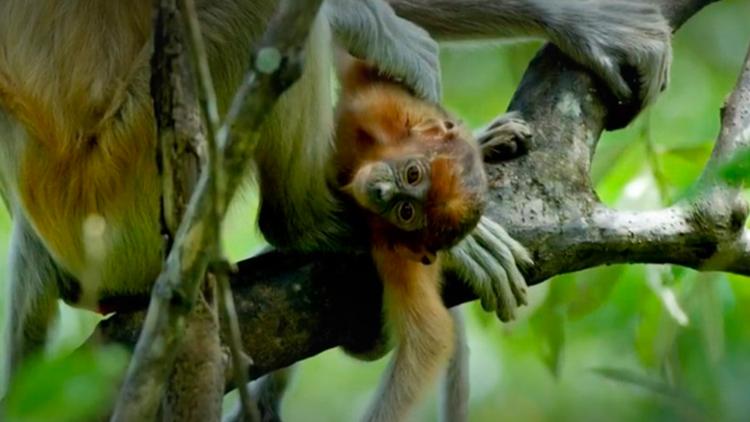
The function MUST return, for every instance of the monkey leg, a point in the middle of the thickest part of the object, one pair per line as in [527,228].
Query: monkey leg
[32,304]
[454,400]
[269,390]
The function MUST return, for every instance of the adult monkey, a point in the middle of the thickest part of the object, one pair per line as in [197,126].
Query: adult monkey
[76,122]
[78,135]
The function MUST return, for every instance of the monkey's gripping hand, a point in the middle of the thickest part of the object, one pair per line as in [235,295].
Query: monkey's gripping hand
[370,30]
[488,259]
[616,37]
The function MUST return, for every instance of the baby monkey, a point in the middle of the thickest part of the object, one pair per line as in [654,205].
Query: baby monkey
[416,172]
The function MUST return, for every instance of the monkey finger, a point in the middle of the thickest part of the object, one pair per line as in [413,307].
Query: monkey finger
[609,71]
[510,253]
[520,254]
[469,270]
[432,73]
[654,74]
[505,257]
[427,87]
[481,281]
[419,66]
[499,283]
[505,142]
[510,130]
[511,116]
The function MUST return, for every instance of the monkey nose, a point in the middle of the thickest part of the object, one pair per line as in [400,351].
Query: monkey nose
[383,191]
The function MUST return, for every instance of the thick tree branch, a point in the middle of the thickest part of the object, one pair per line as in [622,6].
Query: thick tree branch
[292,307]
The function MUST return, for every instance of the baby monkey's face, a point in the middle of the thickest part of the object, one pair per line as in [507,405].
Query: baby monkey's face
[396,190]
[422,201]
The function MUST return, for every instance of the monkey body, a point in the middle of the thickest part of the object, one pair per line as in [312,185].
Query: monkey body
[78,169]
[84,147]
[417,177]
[74,85]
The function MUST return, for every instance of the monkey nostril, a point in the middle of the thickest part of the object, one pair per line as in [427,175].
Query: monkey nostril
[449,125]
[384,191]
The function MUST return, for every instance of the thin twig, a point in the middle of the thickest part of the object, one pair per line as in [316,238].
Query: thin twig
[234,339]
[209,106]
[217,173]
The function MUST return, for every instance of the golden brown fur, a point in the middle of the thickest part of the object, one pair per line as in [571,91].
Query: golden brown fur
[379,120]
[74,75]
[89,130]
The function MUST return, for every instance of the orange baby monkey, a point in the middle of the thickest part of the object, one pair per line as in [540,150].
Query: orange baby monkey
[417,174]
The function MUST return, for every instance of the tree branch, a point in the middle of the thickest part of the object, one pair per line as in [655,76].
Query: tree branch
[293,306]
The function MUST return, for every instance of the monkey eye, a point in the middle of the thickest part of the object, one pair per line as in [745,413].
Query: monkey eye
[406,211]
[413,174]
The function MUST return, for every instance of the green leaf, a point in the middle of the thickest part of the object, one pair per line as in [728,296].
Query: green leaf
[548,323]
[650,384]
[656,333]
[737,169]
[692,154]
[659,279]
[712,318]
[593,290]
[76,387]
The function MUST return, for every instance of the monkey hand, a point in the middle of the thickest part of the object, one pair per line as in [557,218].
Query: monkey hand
[489,260]
[625,42]
[507,137]
[371,30]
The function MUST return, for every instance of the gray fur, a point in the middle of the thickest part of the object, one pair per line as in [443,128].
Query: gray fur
[454,392]
[373,20]
[32,304]
[603,35]
[489,259]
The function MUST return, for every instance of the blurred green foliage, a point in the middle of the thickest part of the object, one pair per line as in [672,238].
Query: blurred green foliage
[67,387]
[625,342]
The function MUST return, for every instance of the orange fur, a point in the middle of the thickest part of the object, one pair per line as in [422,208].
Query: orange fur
[423,331]
[379,120]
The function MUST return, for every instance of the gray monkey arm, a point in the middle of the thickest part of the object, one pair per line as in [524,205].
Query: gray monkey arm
[605,36]
[369,29]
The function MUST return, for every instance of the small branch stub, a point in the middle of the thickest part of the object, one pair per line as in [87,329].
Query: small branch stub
[267,60]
